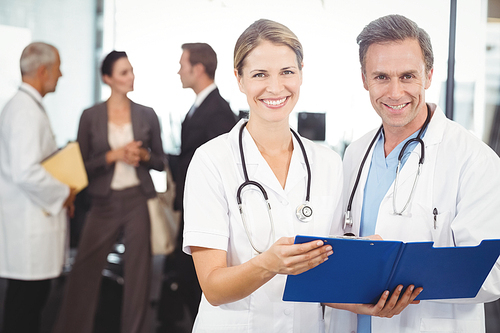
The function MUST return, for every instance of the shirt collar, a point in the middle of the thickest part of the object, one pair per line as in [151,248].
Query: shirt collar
[437,126]
[391,161]
[32,91]
[203,94]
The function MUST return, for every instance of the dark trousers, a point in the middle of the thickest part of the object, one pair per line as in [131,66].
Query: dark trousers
[123,210]
[24,301]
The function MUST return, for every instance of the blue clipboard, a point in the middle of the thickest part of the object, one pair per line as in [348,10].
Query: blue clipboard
[360,270]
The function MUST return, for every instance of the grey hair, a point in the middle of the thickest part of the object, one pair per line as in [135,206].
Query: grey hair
[35,55]
[394,28]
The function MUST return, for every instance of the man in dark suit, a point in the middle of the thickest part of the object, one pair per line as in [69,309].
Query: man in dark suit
[209,117]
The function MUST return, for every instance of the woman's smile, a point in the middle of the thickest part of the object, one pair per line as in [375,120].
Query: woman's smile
[275,103]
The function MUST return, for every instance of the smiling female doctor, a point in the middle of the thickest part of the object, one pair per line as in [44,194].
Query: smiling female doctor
[242,262]
[242,246]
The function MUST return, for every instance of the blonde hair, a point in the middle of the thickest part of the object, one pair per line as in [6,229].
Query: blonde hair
[265,30]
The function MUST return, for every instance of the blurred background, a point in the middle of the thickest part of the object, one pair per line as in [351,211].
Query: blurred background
[465,36]
[152,31]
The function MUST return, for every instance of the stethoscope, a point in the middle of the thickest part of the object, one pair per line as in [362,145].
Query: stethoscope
[303,212]
[347,215]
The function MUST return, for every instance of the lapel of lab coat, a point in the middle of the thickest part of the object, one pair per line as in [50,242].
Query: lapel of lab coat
[435,132]
[357,203]
[298,170]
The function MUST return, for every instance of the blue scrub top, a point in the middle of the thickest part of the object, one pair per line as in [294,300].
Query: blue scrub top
[381,175]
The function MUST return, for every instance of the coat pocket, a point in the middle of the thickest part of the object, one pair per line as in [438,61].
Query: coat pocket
[442,234]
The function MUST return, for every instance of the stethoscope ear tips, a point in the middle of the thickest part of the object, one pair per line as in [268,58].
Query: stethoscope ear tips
[304,213]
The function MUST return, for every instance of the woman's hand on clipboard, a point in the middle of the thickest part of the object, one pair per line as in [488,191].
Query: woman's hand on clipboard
[285,257]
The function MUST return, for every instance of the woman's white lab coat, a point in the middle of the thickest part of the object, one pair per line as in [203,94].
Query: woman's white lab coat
[212,220]
[461,179]
[33,223]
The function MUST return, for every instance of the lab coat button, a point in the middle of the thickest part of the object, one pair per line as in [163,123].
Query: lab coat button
[284,202]
[288,312]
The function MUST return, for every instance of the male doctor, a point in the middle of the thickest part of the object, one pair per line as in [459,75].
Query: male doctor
[456,199]
[32,203]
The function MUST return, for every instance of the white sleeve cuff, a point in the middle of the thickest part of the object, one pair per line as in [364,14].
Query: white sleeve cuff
[204,239]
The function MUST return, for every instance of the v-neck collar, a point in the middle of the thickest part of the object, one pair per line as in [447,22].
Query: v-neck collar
[259,170]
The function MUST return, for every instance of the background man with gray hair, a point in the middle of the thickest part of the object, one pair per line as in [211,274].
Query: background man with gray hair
[33,204]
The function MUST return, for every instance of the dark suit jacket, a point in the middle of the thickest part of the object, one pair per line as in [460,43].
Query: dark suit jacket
[212,118]
[93,140]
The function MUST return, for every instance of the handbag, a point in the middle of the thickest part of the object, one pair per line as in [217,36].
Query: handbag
[164,219]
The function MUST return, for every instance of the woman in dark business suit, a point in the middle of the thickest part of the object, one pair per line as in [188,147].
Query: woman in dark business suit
[120,142]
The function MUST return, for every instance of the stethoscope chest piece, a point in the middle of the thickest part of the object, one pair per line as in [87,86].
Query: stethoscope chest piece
[347,219]
[304,212]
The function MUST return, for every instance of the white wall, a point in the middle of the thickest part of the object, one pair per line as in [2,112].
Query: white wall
[68,25]
[152,32]
[10,75]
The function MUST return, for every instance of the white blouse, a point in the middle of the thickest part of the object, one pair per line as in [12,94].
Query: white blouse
[125,175]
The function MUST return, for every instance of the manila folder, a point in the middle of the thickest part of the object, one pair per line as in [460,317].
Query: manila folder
[66,165]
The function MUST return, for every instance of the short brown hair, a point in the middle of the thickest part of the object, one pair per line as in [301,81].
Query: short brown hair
[202,53]
[394,28]
[265,30]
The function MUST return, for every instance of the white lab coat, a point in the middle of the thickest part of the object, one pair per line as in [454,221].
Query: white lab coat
[212,220]
[32,221]
[461,178]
